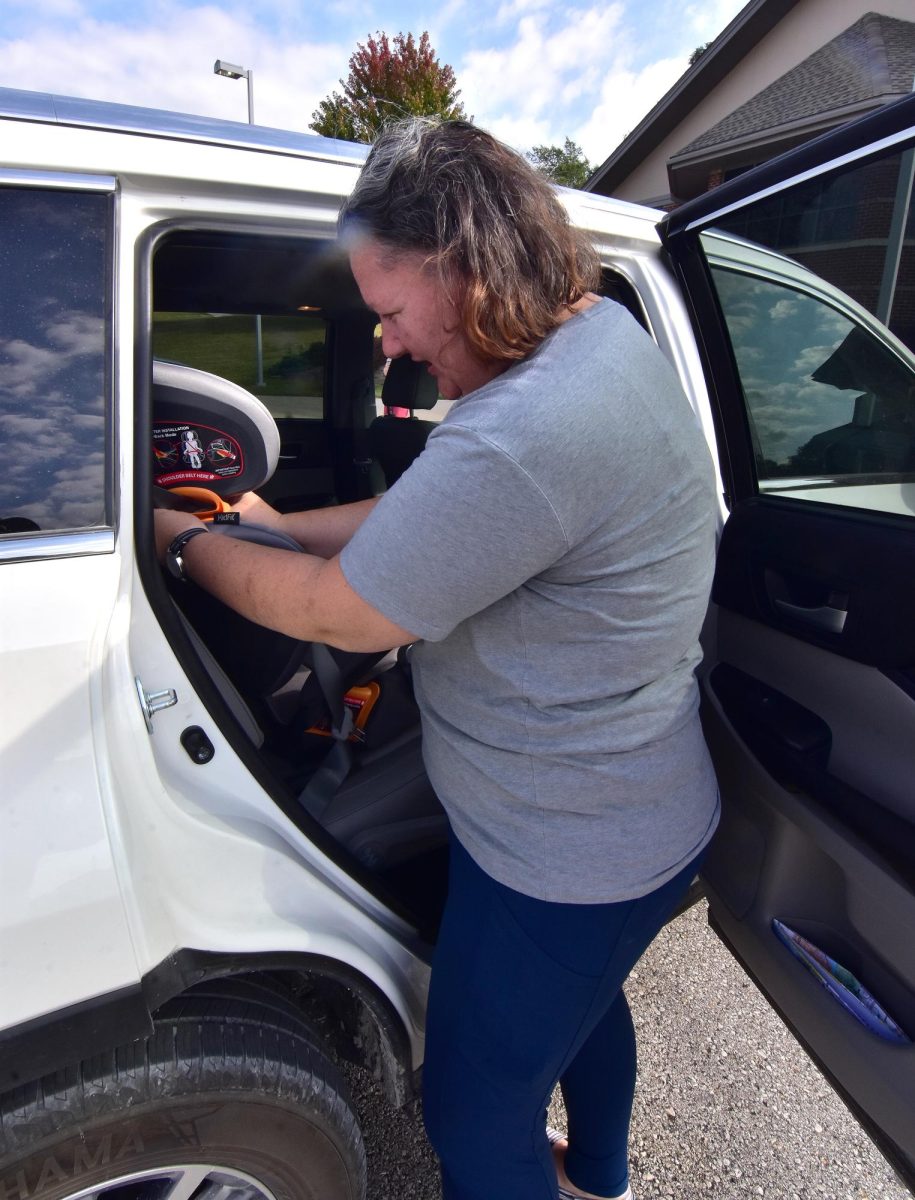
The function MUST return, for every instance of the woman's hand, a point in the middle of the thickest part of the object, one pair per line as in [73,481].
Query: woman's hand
[168,524]
[256,511]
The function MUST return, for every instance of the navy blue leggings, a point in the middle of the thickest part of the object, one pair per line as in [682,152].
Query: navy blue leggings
[526,993]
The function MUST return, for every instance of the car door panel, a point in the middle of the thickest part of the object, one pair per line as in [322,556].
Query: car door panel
[781,854]
[304,477]
[809,679]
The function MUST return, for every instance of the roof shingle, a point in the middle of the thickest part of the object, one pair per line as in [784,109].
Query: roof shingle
[874,59]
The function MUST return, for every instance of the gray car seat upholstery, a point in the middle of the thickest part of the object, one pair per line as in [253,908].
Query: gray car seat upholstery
[396,441]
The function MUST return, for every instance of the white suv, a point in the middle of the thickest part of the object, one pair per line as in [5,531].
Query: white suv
[216,876]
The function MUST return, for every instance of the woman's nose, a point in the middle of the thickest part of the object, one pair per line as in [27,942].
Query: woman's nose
[391,344]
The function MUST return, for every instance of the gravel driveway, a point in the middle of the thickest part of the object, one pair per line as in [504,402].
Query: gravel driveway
[727,1104]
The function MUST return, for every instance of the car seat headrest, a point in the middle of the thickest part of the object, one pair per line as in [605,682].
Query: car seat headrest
[209,432]
[408,384]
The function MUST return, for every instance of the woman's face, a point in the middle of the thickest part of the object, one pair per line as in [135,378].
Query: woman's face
[418,318]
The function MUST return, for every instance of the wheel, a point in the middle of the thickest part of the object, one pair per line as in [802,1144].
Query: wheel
[229,1099]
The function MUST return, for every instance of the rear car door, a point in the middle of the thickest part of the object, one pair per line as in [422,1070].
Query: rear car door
[64,937]
[793,272]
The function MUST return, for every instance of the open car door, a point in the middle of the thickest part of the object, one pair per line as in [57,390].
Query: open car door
[793,272]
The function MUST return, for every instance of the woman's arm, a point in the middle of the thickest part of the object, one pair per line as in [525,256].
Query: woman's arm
[322,532]
[304,596]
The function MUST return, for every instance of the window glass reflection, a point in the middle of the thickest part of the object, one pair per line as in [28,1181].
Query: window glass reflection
[53,385]
[825,397]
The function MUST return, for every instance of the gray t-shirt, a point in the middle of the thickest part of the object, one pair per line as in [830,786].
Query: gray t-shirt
[553,547]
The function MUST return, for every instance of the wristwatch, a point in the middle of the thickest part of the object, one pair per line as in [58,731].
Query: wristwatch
[173,560]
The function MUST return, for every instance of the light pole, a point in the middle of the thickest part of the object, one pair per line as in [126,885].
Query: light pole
[231,71]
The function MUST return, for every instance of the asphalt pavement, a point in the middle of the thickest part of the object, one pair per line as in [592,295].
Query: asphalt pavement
[727,1104]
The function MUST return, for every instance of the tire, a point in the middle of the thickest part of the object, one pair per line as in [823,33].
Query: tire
[229,1099]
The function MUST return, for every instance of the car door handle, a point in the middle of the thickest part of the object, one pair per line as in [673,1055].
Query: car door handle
[822,616]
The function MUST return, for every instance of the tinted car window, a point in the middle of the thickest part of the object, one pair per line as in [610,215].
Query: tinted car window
[828,402]
[829,394]
[854,227]
[54,251]
[278,358]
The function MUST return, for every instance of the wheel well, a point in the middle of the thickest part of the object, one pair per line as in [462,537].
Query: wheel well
[350,1018]
[353,1031]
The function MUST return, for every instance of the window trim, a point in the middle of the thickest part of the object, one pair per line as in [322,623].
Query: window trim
[22,547]
[72,182]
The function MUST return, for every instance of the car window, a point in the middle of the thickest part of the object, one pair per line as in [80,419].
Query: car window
[830,405]
[54,376]
[823,333]
[852,227]
[278,358]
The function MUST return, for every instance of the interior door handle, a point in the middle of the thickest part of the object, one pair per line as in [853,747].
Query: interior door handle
[823,616]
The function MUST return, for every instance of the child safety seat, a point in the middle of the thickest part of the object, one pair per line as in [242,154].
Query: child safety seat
[362,779]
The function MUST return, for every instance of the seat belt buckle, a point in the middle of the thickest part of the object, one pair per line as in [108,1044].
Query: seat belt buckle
[357,708]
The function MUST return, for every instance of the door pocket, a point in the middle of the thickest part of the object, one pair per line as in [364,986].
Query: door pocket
[841,984]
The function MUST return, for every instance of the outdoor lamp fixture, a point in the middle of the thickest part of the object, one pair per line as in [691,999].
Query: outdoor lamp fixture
[231,71]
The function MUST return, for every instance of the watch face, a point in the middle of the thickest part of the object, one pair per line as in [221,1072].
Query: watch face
[175,564]
[173,559]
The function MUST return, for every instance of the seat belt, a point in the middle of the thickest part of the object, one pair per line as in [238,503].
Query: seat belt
[336,765]
[324,783]
[363,413]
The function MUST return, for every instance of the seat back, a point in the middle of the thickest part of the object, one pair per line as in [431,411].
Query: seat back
[395,442]
[211,433]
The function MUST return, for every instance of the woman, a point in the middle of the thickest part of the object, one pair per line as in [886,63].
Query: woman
[551,552]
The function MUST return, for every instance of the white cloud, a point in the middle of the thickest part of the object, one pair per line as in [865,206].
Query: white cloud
[625,98]
[811,358]
[521,132]
[535,89]
[782,309]
[512,9]
[147,64]
[705,21]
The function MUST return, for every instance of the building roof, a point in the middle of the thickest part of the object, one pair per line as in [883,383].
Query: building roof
[747,29]
[869,64]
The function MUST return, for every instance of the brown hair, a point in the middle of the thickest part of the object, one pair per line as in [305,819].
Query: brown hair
[492,225]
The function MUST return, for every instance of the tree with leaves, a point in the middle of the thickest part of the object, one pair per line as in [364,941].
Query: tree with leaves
[387,80]
[564,164]
[698,52]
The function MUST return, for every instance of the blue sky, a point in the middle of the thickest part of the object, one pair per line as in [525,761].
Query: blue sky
[532,71]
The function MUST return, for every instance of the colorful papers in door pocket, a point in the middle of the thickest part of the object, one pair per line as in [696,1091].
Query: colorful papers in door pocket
[842,986]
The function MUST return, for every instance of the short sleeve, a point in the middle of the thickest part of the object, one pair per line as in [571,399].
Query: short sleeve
[465,526]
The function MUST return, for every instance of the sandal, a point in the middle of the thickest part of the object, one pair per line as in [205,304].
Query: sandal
[554,1136]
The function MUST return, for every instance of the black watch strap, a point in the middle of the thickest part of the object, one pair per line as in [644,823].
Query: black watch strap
[173,560]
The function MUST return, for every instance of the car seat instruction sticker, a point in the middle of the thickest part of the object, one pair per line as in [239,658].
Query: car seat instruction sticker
[194,454]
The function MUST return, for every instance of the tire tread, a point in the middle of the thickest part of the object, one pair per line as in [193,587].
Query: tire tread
[227,1040]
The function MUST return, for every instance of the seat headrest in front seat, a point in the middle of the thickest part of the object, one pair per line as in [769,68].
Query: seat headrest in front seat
[408,384]
[209,432]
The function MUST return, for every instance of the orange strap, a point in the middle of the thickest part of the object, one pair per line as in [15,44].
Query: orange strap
[210,504]
[360,701]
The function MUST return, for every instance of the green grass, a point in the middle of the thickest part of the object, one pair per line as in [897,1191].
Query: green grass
[225,345]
